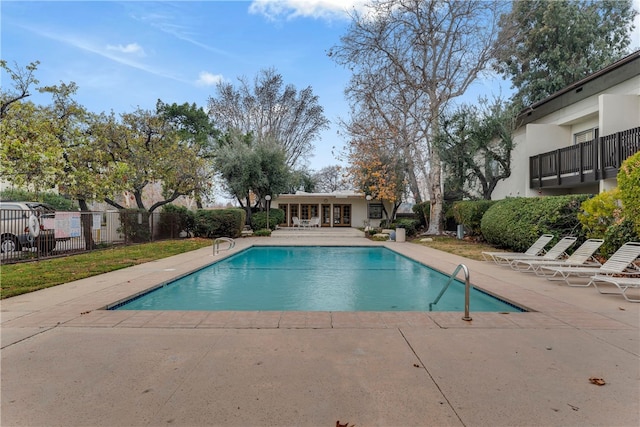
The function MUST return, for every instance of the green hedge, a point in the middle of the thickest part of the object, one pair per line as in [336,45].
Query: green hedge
[135,225]
[617,235]
[629,184]
[175,219]
[60,203]
[259,219]
[219,222]
[515,223]
[410,225]
[470,212]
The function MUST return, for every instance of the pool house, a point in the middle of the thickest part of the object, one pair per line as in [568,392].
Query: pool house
[336,209]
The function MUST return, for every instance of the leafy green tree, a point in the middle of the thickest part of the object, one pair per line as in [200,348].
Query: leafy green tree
[249,168]
[545,45]
[22,79]
[475,144]
[629,184]
[145,149]
[303,180]
[30,155]
[195,130]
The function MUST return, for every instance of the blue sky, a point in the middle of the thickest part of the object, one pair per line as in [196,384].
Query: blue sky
[127,54]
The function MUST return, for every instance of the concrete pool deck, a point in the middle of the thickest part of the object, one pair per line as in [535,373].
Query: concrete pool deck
[66,362]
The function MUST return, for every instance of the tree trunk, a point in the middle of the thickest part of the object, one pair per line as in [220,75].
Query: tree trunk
[86,220]
[435,190]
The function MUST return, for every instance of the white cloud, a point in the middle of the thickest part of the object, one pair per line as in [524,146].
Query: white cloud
[289,9]
[207,79]
[134,48]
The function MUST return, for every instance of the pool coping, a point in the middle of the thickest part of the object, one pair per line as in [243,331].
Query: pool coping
[83,303]
[73,364]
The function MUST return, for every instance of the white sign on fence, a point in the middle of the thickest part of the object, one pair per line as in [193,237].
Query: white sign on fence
[67,224]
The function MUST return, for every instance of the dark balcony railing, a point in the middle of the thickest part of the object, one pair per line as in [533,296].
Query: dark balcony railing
[587,162]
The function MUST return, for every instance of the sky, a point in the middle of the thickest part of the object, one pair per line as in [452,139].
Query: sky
[125,55]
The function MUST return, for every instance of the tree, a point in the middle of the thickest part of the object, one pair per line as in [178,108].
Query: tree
[146,149]
[30,155]
[432,49]
[250,168]
[270,111]
[544,46]
[381,107]
[303,180]
[378,171]
[475,144]
[331,178]
[195,130]
[22,78]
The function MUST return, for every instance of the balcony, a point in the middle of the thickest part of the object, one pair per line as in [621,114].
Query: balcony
[583,163]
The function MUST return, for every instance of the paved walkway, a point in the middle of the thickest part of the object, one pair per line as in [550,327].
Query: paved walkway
[67,362]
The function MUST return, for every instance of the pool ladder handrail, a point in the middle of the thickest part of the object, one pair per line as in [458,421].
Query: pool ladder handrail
[218,240]
[467,286]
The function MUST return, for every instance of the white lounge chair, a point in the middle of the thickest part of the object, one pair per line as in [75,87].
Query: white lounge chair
[581,256]
[296,221]
[617,264]
[558,250]
[535,249]
[622,283]
[314,221]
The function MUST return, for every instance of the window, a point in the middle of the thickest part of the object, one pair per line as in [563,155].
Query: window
[585,136]
[375,211]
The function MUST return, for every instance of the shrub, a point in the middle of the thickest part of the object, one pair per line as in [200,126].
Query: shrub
[259,219]
[174,220]
[423,211]
[515,223]
[599,213]
[469,213]
[262,232]
[629,184]
[617,235]
[59,202]
[410,225]
[135,225]
[219,222]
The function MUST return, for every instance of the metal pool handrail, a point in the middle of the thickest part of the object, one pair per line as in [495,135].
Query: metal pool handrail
[217,241]
[467,285]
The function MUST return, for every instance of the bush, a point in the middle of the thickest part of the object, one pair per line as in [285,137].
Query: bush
[423,211]
[410,225]
[469,213]
[262,232]
[175,219]
[60,203]
[629,184]
[219,223]
[599,213]
[135,225]
[259,219]
[617,235]
[515,223]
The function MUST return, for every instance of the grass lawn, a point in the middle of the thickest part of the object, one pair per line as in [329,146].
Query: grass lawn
[26,277]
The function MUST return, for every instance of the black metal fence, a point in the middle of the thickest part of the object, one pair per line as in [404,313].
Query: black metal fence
[65,233]
[589,161]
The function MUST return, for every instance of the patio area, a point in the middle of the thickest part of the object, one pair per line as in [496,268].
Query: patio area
[67,362]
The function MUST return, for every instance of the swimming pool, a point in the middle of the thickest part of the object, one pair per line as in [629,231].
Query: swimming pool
[316,278]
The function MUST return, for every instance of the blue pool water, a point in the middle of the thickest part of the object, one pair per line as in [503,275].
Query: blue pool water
[317,278]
